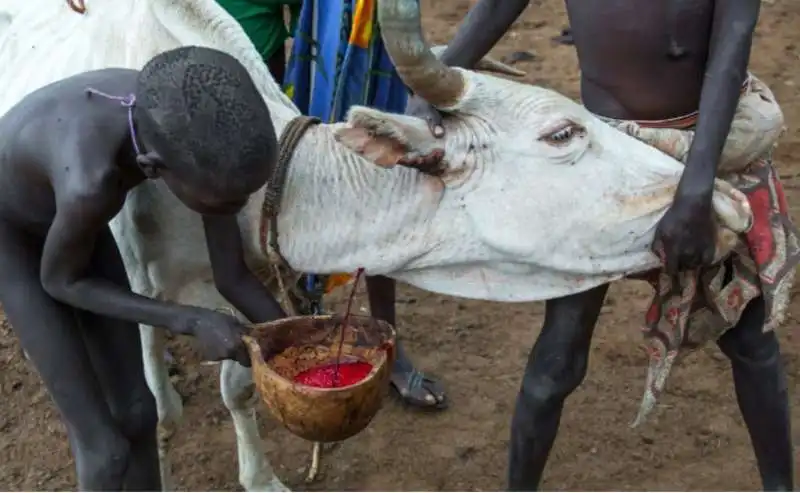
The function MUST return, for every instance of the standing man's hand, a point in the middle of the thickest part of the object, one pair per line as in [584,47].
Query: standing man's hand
[687,233]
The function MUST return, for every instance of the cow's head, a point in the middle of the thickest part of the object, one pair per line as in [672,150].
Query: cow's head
[534,184]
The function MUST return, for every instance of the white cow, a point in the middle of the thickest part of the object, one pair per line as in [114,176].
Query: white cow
[540,198]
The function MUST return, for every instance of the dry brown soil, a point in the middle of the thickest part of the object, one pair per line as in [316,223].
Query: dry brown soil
[694,441]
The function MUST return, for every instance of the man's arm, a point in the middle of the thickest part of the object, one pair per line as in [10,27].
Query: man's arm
[80,217]
[233,278]
[483,27]
[729,55]
[685,235]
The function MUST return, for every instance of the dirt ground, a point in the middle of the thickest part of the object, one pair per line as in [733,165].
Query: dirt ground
[695,440]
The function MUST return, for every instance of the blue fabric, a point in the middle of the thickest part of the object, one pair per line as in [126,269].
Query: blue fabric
[337,63]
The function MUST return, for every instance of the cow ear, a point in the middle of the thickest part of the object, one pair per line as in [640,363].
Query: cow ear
[388,139]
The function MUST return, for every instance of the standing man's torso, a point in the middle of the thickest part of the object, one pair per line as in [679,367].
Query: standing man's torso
[630,69]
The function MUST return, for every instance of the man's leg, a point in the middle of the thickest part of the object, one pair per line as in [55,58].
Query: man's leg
[762,394]
[414,387]
[556,366]
[116,354]
[277,65]
[50,335]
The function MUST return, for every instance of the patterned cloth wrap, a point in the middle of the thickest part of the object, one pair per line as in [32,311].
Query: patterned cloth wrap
[696,307]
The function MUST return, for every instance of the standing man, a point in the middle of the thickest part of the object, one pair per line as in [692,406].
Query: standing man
[671,73]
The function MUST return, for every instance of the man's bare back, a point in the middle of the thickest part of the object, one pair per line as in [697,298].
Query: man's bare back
[52,121]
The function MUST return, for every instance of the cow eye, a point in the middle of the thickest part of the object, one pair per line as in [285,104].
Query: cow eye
[563,134]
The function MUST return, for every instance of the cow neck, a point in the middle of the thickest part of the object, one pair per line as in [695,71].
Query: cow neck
[273,193]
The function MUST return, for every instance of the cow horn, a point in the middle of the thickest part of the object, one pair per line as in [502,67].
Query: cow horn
[421,71]
[77,5]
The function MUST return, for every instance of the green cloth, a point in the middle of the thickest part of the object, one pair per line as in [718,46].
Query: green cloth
[263,21]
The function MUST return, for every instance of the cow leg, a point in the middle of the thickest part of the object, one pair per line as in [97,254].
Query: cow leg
[762,394]
[168,402]
[414,387]
[239,396]
[556,367]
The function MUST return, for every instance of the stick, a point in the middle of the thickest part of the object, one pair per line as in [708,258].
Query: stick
[316,456]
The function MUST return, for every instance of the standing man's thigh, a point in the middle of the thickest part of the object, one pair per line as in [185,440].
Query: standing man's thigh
[50,333]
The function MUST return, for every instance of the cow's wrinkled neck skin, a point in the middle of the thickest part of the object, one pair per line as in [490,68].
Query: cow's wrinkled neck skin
[339,212]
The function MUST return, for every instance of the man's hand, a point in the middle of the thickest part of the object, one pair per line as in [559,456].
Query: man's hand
[420,108]
[219,335]
[687,233]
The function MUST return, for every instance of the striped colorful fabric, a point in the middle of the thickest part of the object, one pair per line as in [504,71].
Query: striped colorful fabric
[338,60]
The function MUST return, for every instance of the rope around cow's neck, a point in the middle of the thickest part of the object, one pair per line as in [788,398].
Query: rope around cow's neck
[268,224]
[287,144]
[270,208]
